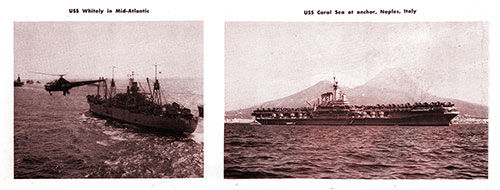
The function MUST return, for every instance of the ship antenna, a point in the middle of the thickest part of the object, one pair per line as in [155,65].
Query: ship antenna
[156,88]
[156,71]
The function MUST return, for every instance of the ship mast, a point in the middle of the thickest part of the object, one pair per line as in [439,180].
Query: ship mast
[98,89]
[335,88]
[156,88]
[112,90]
[105,86]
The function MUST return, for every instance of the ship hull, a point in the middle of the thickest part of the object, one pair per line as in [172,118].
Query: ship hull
[427,120]
[174,125]
[18,83]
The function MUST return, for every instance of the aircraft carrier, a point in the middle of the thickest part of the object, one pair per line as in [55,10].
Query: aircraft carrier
[332,108]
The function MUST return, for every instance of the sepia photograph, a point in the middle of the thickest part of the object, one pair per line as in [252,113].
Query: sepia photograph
[356,100]
[108,100]
[327,95]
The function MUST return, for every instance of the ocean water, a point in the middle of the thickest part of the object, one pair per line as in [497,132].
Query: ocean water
[356,152]
[56,137]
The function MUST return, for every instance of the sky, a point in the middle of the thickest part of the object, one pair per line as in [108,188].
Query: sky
[88,50]
[270,60]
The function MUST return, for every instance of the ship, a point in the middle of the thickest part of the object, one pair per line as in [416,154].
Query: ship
[333,109]
[140,108]
[18,82]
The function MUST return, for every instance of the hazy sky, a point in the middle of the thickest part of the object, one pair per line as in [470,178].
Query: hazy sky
[90,49]
[266,61]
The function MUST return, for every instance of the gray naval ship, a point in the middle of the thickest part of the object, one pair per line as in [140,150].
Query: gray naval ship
[332,108]
[144,109]
[18,82]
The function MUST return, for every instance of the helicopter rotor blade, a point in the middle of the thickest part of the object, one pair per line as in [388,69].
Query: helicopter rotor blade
[49,74]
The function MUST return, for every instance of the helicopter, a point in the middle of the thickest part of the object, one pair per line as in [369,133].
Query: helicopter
[64,85]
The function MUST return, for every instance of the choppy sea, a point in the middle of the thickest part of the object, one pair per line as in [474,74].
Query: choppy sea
[56,137]
[356,152]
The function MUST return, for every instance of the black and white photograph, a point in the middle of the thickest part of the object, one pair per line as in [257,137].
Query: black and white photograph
[108,100]
[356,100]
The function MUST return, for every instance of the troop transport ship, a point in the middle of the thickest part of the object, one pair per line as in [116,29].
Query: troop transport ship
[141,108]
[334,109]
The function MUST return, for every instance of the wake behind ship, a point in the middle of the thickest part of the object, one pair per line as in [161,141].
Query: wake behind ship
[141,108]
[334,109]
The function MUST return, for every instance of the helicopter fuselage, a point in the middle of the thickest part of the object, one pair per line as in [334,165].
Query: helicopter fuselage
[64,85]
[54,87]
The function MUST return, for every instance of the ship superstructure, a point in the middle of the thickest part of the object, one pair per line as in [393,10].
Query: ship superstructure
[142,108]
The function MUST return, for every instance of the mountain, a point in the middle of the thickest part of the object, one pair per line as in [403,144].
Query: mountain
[395,79]
[301,98]
[391,86]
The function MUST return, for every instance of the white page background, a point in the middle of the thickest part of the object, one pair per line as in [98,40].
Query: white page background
[214,14]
